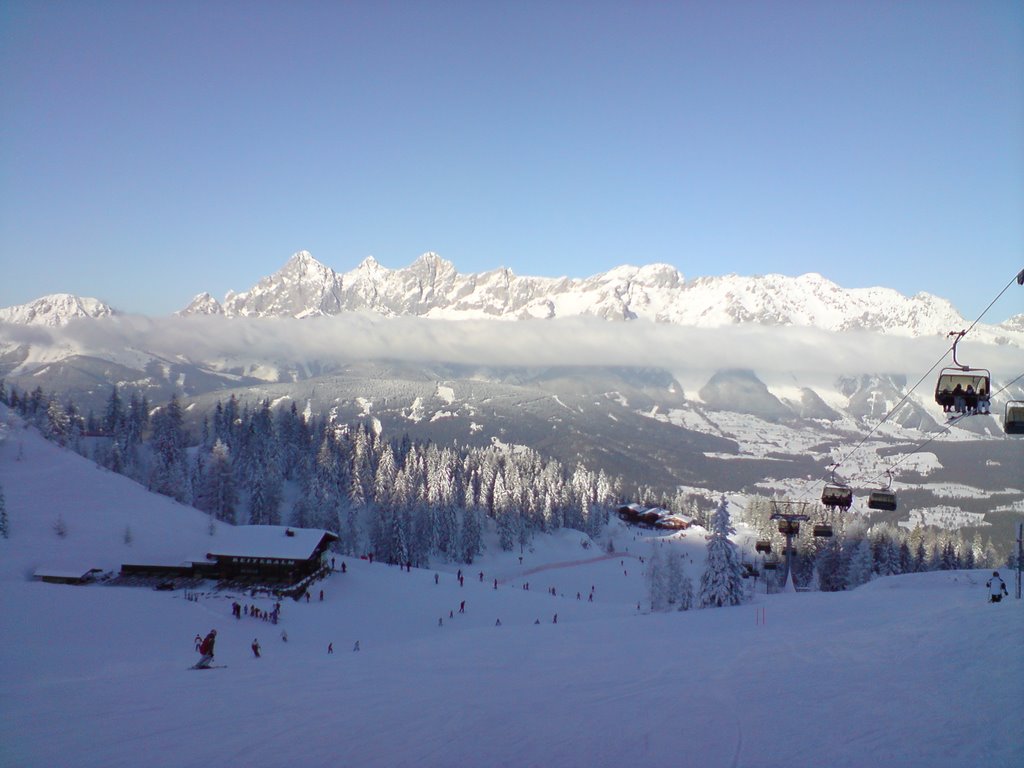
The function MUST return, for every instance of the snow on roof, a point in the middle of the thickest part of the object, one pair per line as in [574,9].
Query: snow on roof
[46,572]
[274,541]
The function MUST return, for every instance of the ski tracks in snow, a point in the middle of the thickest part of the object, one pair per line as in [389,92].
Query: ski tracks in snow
[567,564]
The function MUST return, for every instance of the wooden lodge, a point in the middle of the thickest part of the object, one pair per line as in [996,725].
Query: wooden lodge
[654,517]
[254,553]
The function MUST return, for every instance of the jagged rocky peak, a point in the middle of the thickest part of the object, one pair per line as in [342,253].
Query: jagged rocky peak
[302,287]
[432,287]
[56,309]
[203,304]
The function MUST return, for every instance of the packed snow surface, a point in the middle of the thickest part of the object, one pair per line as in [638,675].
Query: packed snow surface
[915,670]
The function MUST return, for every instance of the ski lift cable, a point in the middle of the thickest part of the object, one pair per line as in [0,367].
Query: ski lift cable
[1017,278]
[939,432]
[1008,384]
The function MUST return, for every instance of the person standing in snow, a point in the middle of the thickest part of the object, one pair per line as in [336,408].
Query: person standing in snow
[206,649]
[255,647]
[996,588]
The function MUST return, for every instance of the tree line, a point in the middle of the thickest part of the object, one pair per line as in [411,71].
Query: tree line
[405,501]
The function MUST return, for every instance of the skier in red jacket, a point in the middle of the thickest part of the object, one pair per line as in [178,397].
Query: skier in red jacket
[206,649]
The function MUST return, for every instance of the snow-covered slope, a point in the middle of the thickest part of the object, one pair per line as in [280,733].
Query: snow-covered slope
[907,671]
[431,287]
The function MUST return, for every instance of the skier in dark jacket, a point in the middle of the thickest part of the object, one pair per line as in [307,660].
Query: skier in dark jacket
[996,588]
[206,649]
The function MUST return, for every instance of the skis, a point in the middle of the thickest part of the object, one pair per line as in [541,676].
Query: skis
[211,666]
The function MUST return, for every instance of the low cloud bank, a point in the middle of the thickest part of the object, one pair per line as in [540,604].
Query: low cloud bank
[570,342]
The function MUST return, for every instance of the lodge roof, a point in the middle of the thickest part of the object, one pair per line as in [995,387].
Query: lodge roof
[267,541]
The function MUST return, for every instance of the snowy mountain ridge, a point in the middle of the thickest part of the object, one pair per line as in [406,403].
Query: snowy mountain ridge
[431,287]
[55,310]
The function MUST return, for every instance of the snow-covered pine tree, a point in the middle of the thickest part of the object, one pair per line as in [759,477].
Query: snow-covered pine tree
[137,422]
[217,493]
[58,425]
[679,583]
[722,581]
[506,515]
[657,582]
[829,567]
[170,471]
[471,537]
[5,523]
[860,565]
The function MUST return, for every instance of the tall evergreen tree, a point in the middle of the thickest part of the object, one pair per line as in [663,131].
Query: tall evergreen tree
[217,493]
[170,470]
[657,580]
[722,581]
[5,523]
[471,537]
[860,565]
[679,584]
[58,425]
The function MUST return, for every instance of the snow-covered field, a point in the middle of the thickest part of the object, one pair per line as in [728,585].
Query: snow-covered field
[912,670]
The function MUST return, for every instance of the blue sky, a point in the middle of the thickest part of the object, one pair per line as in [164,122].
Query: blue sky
[151,151]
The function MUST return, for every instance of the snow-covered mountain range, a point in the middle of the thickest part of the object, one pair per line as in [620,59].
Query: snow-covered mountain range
[55,310]
[431,287]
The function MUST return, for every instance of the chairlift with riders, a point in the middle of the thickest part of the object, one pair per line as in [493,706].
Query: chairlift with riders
[961,389]
[837,494]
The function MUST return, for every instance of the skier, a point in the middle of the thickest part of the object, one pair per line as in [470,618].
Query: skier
[206,649]
[997,588]
[355,648]
[330,647]
[255,647]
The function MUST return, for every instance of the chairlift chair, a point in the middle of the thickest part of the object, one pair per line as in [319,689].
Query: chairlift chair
[771,565]
[763,546]
[837,496]
[789,527]
[822,530]
[1013,418]
[960,387]
[884,498]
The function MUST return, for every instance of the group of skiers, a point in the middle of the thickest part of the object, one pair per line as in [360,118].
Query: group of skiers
[205,645]
[237,610]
